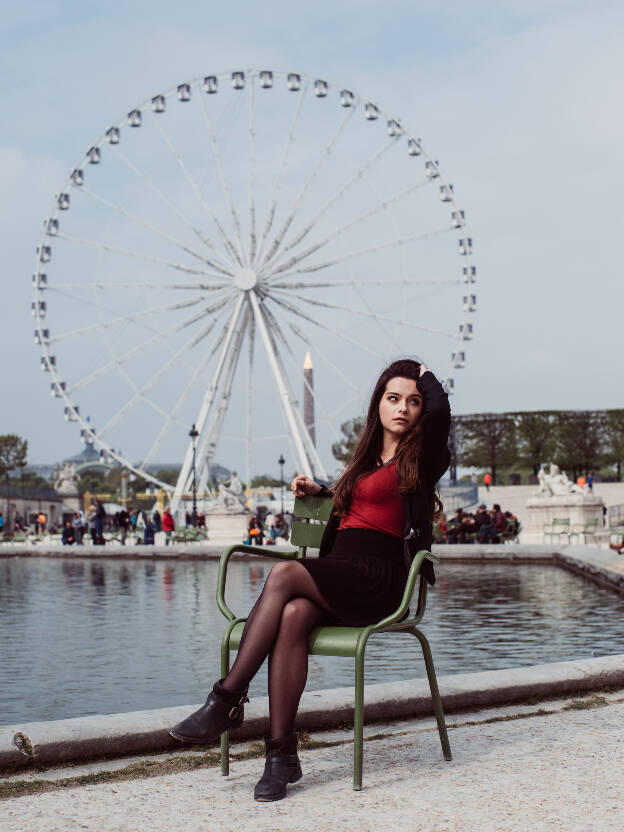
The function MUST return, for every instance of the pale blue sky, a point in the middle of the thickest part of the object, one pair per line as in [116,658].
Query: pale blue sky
[521,102]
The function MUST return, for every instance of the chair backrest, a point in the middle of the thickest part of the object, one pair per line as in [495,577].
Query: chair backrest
[312,514]
[561,521]
[591,523]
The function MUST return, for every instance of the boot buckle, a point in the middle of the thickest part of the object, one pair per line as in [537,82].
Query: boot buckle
[234,712]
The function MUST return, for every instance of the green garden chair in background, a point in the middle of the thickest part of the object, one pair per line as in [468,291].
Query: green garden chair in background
[588,530]
[337,640]
[560,527]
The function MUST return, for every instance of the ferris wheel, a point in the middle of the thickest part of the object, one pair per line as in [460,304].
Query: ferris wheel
[215,234]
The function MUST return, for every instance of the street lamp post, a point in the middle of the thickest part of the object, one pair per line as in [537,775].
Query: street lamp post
[193,433]
[281,462]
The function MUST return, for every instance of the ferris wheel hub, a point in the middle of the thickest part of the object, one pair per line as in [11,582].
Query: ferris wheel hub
[245,279]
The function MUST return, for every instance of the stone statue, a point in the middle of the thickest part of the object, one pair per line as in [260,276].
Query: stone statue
[231,496]
[555,483]
[65,478]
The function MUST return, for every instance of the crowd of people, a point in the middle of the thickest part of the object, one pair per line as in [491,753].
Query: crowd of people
[482,526]
[265,524]
[139,525]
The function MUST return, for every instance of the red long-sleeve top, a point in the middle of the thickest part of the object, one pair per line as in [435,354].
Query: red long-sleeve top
[376,503]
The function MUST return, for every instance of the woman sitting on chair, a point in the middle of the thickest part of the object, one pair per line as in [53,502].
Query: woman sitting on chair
[384,506]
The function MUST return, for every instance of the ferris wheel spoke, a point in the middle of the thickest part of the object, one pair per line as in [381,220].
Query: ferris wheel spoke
[309,387]
[374,315]
[252,163]
[162,196]
[331,202]
[172,417]
[278,330]
[388,333]
[298,313]
[122,359]
[150,258]
[324,284]
[282,167]
[143,222]
[383,206]
[145,388]
[237,254]
[130,318]
[203,287]
[313,345]
[251,334]
[275,246]
[156,408]
[191,181]
[402,241]
[306,451]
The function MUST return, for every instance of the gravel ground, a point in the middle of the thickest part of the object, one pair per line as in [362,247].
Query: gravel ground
[561,771]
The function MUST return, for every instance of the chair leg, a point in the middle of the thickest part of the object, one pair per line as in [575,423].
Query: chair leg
[358,720]
[435,693]
[225,736]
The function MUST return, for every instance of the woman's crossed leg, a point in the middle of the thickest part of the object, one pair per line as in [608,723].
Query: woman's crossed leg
[289,607]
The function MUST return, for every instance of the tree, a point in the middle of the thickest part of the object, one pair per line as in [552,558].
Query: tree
[265,481]
[93,481]
[579,441]
[486,440]
[29,479]
[343,449]
[13,452]
[614,439]
[168,475]
[535,437]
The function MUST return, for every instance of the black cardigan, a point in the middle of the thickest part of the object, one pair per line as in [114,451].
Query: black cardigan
[433,461]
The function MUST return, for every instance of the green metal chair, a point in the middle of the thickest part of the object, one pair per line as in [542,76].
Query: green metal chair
[337,640]
[588,529]
[559,528]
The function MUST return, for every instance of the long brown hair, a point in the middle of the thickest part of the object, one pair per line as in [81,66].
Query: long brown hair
[370,443]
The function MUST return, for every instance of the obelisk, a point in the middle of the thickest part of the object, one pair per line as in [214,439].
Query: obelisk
[308,398]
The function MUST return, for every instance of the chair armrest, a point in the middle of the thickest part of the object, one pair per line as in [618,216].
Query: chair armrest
[223,565]
[419,557]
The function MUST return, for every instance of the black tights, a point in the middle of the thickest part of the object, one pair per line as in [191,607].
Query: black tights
[278,626]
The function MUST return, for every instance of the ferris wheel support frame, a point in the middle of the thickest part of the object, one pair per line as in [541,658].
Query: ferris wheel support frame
[209,396]
[214,427]
[308,457]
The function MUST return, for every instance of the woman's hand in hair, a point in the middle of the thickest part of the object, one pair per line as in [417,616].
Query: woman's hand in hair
[302,486]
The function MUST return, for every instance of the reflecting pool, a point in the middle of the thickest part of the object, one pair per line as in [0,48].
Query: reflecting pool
[84,637]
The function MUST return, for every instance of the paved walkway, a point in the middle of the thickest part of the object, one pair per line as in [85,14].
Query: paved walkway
[513,770]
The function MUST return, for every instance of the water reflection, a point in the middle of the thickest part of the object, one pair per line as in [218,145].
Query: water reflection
[110,636]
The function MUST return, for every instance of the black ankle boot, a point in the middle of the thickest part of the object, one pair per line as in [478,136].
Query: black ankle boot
[282,767]
[222,711]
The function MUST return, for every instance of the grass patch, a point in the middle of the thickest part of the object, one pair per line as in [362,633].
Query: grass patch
[506,718]
[585,704]
[135,771]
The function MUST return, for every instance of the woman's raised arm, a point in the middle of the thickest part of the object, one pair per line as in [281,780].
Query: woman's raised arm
[435,425]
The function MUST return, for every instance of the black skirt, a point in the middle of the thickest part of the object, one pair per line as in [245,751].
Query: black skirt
[363,576]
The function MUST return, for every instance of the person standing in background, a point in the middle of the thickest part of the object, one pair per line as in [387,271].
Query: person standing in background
[168,524]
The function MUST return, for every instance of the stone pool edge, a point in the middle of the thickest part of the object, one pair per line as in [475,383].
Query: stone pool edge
[117,735]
